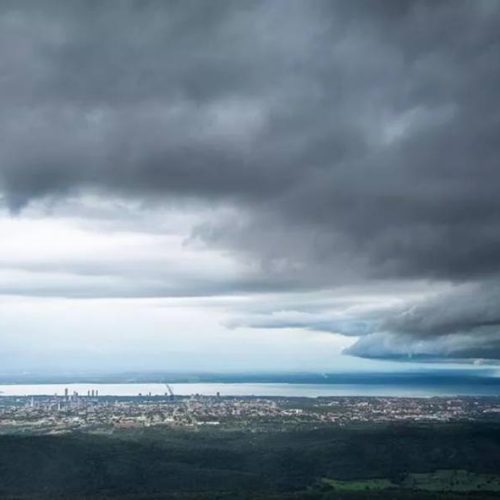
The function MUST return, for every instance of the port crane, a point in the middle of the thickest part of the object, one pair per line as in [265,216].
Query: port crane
[182,408]
[170,392]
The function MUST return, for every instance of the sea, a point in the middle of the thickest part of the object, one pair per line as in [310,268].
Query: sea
[252,389]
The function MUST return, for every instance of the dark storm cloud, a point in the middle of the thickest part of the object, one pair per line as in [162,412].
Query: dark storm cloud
[358,140]
[464,309]
[459,323]
[463,323]
[480,345]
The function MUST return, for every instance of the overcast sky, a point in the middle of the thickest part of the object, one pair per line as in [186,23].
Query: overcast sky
[258,185]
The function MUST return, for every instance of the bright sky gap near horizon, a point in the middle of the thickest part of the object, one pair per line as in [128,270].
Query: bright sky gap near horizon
[249,186]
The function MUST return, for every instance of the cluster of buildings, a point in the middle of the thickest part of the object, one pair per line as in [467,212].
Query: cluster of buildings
[386,409]
[91,412]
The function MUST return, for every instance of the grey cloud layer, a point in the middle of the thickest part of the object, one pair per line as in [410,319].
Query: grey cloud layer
[358,140]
